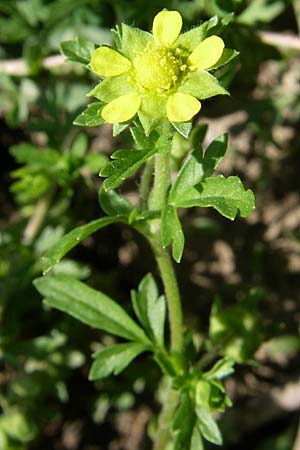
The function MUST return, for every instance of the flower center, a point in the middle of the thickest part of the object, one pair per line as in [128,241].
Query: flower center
[157,69]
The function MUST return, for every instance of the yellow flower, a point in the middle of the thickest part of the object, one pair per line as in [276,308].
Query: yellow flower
[158,76]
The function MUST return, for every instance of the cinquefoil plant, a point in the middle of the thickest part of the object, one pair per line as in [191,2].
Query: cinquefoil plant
[152,83]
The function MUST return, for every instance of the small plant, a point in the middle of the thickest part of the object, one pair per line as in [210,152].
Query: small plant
[152,83]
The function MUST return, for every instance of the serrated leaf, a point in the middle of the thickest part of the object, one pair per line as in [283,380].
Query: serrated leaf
[150,308]
[115,359]
[171,232]
[79,50]
[25,153]
[124,164]
[89,306]
[90,117]
[70,240]
[197,167]
[227,195]
[208,427]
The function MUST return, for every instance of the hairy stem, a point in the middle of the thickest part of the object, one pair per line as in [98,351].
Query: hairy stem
[161,181]
[173,296]
[146,182]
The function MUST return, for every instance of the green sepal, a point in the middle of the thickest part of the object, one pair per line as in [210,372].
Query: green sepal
[152,112]
[171,231]
[91,307]
[114,359]
[70,240]
[193,37]
[90,117]
[227,55]
[80,50]
[124,164]
[202,85]
[134,40]
[111,88]
[183,128]
[117,37]
[118,128]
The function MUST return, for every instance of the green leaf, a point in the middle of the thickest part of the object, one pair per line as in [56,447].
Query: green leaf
[90,117]
[208,427]
[197,167]
[227,195]
[115,359]
[202,85]
[184,421]
[261,11]
[182,411]
[25,153]
[70,240]
[221,369]
[79,50]
[150,308]
[171,231]
[89,306]
[114,204]
[196,441]
[124,164]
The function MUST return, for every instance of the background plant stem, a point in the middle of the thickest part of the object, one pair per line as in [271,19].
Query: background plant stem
[164,434]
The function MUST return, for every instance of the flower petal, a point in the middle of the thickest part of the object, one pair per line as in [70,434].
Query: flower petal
[111,88]
[122,108]
[207,53]
[166,27]
[182,107]
[106,62]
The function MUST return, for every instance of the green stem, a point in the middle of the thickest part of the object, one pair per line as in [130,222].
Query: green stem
[146,182]
[161,181]
[36,221]
[173,296]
